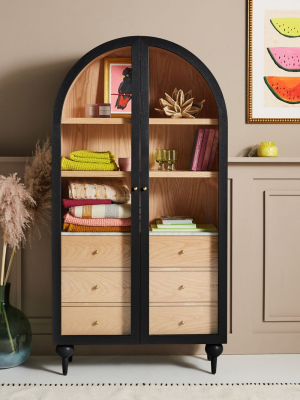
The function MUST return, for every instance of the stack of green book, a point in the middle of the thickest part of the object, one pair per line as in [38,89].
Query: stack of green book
[183,225]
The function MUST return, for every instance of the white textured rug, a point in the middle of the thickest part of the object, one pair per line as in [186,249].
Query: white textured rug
[151,392]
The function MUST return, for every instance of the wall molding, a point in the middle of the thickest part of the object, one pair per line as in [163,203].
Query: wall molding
[279,272]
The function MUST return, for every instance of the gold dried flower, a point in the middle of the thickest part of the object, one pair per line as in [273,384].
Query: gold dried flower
[180,105]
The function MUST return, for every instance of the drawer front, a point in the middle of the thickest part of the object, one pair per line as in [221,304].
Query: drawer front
[183,320]
[95,321]
[89,287]
[96,251]
[183,286]
[183,251]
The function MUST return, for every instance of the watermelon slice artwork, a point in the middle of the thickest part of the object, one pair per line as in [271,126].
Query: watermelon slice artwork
[287,58]
[286,89]
[289,27]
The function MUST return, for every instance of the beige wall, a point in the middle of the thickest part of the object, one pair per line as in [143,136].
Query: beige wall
[41,40]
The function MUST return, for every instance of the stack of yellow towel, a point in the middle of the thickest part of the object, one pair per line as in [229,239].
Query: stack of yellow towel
[84,160]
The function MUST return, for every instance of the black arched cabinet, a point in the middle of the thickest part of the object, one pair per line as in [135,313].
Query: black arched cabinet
[127,287]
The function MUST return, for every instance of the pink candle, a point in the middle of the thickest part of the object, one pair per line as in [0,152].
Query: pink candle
[103,110]
[91,111]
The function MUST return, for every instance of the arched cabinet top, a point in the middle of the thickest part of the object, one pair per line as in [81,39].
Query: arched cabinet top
[84,82]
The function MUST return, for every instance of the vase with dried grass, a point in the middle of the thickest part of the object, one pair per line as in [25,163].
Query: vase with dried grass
[15,330]
[21,208]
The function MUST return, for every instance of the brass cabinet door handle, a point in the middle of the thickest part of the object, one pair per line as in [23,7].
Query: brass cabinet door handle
[144,188]
[135,188]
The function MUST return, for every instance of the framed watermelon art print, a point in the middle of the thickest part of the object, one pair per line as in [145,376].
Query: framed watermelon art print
[273,61]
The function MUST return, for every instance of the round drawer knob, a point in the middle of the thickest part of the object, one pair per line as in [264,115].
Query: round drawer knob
[96,322]
[96,252]
[97,287]
[135,188]
[181,252]
[145,188]
[181,323]
[181,287]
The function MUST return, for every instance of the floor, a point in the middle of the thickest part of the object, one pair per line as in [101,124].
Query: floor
[282,368]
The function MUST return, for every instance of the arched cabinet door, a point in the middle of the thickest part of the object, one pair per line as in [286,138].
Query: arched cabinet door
[138,285]
[96,272]
[183,273]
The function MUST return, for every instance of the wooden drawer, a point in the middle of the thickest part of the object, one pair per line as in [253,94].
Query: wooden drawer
[83,321]
[98,286]
[96,251]
[183,320]
[183,251]
[184,286]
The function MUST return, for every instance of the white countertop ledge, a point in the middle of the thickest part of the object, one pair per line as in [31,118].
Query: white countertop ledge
[271,160]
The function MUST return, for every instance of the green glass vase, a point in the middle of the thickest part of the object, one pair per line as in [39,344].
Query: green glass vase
[15,332]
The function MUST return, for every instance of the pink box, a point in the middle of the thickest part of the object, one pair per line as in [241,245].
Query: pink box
[125,164]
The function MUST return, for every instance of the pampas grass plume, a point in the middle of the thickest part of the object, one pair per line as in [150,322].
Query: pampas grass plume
[37,179]
[15,201]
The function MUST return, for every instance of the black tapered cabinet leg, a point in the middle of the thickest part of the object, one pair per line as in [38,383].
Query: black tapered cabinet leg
[66,353]
[213,351]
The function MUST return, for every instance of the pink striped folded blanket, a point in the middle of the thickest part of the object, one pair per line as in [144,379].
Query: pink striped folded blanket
[89,202]
[69,219]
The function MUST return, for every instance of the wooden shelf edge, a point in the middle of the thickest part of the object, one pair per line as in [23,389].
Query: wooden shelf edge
[127,174]
[183,174]
[183,121]
[183,233]
[152,121]
[95,174]
[95,233]
[96,121]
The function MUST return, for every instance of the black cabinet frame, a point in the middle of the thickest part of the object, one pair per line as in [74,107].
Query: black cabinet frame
[139,178]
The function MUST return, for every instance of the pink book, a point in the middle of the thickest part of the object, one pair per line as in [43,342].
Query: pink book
[202,151]
[196,149]
[213,151]
[210,140]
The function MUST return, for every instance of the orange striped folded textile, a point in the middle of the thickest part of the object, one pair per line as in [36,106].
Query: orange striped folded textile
[83,228]
[69,219]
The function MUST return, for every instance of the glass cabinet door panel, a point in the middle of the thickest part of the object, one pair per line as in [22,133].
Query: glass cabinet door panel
[100,200]
[183,203]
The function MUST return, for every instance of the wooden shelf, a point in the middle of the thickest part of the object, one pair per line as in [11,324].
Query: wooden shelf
[151,233]
[152,121]
[95,233]
[95,174]
[96,121]
[183,174]
[127,174]
[183,121]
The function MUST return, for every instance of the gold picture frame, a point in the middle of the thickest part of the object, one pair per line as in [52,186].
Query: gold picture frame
[107,85]
[250,118]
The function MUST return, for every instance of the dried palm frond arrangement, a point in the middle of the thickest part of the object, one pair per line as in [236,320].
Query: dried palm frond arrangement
[180,105]
[37,179]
